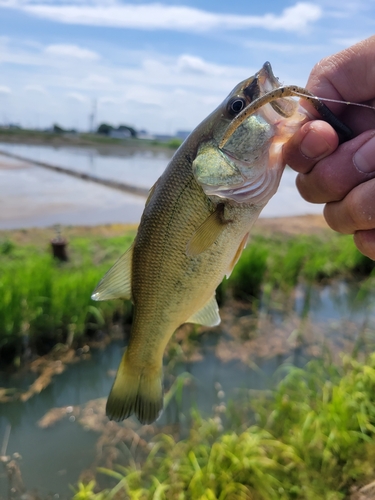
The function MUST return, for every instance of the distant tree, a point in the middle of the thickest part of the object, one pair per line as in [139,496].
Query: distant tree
[57,129]
[132,131]
[104,128]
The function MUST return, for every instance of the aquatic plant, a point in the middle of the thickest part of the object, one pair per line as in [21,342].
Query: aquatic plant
[312,437]
[85,491]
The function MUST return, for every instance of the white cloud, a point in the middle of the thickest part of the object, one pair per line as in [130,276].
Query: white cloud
[4,89]
[347,42]
[97,81]
[192,64]
[77,97]
[153,16]
[107,101]
[66,50]
[275,46]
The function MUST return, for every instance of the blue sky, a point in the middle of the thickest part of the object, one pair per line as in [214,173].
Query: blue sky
[161,66]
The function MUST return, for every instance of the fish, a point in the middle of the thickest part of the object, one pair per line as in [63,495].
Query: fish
[195,225]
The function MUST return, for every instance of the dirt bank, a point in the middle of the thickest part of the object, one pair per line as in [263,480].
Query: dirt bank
[306,224]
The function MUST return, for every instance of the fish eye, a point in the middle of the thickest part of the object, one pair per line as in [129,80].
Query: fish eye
[236,105]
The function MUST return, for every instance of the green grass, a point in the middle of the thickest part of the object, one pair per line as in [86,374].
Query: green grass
[40,136]
[45,302]
[282,262]
[313,437]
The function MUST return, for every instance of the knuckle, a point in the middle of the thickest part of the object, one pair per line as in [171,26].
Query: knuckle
[365,242]
[338,218]
[354,215]
[361,205]
[304,188]
[314,188]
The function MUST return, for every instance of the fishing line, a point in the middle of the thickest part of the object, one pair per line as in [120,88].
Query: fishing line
[348,103]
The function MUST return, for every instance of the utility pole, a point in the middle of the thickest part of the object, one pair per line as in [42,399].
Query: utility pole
[92,116]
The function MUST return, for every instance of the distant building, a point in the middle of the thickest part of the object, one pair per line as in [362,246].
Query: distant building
[143,134]
[11,126]
[164,137]
[119,134]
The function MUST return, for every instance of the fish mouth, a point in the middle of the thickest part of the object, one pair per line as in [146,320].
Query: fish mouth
[261,83]
[267,81]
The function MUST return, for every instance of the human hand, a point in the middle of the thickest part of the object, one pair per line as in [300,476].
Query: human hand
[342,176]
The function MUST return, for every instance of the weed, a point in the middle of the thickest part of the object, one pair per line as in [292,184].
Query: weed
[314,438]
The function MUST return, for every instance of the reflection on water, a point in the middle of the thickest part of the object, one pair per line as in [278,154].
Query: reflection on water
[139,167]
[246,351]
[337,303]
[51,459]
[33,196]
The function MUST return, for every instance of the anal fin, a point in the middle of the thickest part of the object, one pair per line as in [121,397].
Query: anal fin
[208,315]
[116,283]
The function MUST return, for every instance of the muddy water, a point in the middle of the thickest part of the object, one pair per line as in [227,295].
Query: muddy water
[33,196]
[246,352]
[54,457]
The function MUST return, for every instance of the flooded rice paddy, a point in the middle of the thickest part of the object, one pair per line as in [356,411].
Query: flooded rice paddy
[33,196]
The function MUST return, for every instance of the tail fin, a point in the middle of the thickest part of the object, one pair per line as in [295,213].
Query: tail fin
[136,392]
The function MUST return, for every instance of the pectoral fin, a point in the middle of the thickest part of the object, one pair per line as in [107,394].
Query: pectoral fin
[116,284]
[208,315]
[237,255]
[207,233]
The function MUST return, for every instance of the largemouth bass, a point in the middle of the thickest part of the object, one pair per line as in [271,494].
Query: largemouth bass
[195,224]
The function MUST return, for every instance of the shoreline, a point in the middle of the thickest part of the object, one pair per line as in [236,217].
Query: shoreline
[290,226]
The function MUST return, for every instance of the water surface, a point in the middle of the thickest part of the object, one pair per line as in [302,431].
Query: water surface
[33,196]
[55,457]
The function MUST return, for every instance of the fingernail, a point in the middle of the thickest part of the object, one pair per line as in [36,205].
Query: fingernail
[364,158]
[313,146]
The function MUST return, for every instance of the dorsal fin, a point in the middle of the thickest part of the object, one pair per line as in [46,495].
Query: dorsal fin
[208,315]
[207,233]
[116,283]
[151,193]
